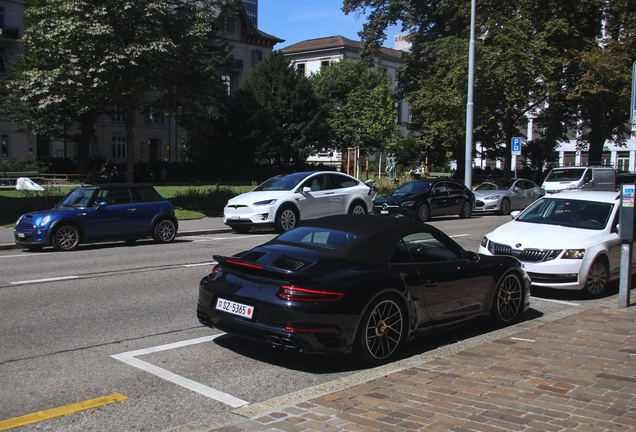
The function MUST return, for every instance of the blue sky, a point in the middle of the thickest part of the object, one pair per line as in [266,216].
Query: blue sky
[299,20]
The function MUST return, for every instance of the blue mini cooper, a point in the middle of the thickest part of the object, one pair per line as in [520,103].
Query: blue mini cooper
[99,213]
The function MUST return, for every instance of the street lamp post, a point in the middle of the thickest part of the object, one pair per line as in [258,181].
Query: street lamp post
[468,169]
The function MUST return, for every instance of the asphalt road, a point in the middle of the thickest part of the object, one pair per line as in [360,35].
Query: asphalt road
[114,319]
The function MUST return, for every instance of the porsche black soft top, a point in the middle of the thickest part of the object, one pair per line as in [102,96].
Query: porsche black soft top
[378,235]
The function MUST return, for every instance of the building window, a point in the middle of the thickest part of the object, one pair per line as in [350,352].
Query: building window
[228,24]
[5,146]
[257,57]
[120,116]
[94,149]
[324,63]
[153,117]
[230,84]
[300,69]
[622,161]
[119,147]
[569,158]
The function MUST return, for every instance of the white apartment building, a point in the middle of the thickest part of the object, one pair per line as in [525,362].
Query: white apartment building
[310,55]
[157,135]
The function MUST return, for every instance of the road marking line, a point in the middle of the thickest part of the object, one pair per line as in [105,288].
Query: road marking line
[556,301]
[200,264]
[45,280]
[57,412]
[459,235]
[130,359]
[27,255]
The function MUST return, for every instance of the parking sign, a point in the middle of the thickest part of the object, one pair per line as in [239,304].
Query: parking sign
[516,146]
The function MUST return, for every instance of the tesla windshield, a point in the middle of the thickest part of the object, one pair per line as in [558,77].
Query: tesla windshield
[282,183]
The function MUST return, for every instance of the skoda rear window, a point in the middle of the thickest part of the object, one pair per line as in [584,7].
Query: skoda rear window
[319,237]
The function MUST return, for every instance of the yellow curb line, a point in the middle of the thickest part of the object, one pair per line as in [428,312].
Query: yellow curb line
[56,412]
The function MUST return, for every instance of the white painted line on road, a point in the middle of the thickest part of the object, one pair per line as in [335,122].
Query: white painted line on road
[200,264]
[523,340]
[556,301]
[45,280]
[459,235]
[27,255]
[130,359]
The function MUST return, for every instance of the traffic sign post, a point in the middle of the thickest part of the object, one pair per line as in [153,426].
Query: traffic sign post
[632,110]
[516,150]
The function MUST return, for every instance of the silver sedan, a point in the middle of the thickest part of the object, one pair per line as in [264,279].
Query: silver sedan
[504,195]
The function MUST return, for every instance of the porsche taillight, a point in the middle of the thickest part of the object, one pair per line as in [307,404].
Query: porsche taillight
[213,275]
[292,293]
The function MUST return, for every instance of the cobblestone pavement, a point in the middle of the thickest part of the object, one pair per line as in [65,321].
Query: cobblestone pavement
[577,373]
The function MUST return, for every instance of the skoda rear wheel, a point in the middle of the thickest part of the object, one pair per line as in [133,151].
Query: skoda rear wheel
[66,238]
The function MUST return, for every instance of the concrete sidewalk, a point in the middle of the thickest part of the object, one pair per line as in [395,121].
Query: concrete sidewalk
[205,225]
[570,371]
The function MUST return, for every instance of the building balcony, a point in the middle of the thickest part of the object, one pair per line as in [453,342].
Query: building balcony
[8,32]
[236,64]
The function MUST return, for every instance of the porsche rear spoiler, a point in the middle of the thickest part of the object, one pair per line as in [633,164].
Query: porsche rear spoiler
[259,269]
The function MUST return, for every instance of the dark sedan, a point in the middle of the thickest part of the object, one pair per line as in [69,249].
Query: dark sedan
[357,283]
[422,199]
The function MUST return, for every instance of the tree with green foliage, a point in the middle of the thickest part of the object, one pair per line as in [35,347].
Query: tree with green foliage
[286,120]
[84,59]
[532,58]
[360,105]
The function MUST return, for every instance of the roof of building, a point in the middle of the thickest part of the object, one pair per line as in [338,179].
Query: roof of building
[334,43]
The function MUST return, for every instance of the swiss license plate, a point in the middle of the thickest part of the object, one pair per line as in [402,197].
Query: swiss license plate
[21,235]
[234,308]
[384,212]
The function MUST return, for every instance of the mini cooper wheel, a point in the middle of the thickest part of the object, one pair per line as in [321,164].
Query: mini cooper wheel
[381,332]
[508,302]
[597,279]
[423,213]
[165,231]
[286,219]
[66,238]
[467,210]
[504,208]
[358,208]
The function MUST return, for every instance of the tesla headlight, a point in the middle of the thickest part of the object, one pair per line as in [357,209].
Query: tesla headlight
[45,220]
[265,202]
[492,197]
[574,254]
[408,204]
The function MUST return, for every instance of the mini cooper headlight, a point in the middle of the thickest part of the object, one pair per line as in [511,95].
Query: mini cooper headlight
[265,202]
[45,220]
[574,254]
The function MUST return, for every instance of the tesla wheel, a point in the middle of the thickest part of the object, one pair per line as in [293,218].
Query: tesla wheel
[423,212]
[382,332]
[597,279]
[508,302]
[504,208]
[286,219]
[467,210]
[66,238]
[241,229]
[165,231]
[358,208]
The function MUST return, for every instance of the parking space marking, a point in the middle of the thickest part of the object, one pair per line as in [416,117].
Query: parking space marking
[556,301]
[57,412]
[131,359]
[61,278]
[200,264]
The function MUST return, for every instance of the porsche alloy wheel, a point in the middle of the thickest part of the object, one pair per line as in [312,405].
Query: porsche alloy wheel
[381,331]
[165,231]
[66,238]
[508,302]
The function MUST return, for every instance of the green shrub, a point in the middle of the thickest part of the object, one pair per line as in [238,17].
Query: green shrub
[207,201]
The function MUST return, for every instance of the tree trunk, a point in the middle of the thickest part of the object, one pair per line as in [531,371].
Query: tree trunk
[83,151]
[130,144]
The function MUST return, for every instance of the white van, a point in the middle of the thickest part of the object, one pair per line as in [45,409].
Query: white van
[580,177]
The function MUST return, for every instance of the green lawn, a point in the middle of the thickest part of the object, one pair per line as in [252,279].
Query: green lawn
[189,202]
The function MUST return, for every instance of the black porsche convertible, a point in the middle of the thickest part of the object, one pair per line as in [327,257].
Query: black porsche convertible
[358,283]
